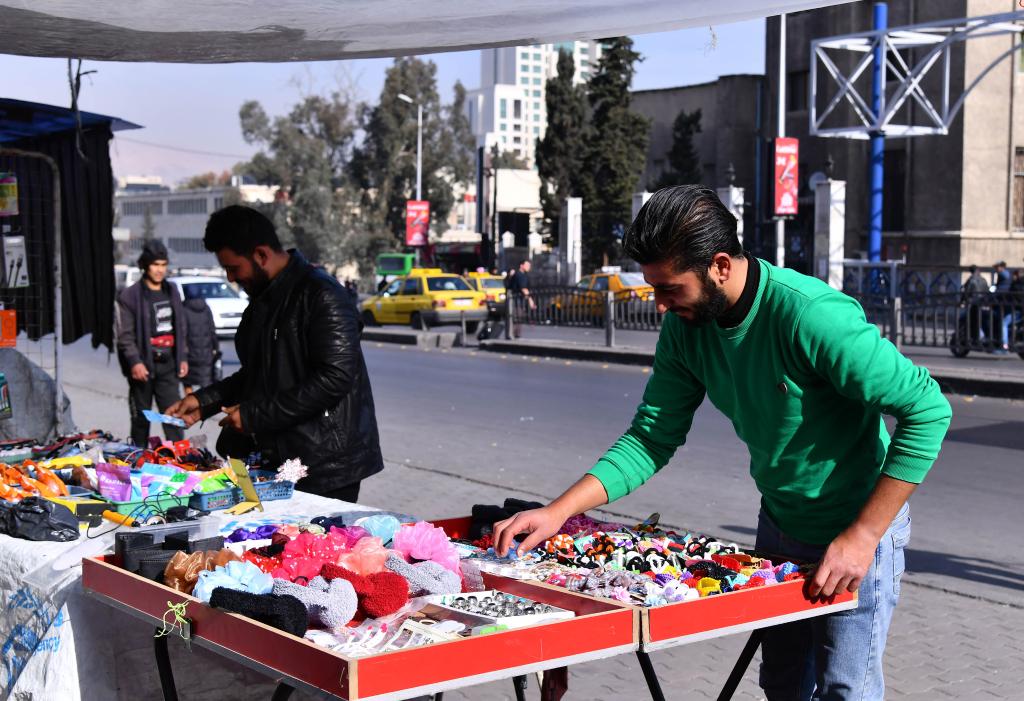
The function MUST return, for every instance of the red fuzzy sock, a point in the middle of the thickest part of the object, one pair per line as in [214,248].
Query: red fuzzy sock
[361,584]
[390,592]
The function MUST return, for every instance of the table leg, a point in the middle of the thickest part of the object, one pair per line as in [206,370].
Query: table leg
[650,676]
[520,685]
[163,667]
[283,692]
[740,668]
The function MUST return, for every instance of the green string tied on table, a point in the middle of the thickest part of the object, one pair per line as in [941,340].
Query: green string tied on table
[181,623]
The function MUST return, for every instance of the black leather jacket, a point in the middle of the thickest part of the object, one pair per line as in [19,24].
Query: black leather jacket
[303,386]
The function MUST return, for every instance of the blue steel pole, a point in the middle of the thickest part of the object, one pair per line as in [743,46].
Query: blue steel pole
[881,17]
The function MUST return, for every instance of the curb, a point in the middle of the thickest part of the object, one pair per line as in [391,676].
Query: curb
[410,337]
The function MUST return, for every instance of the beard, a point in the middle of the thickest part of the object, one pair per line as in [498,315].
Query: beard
[259,281]
[711,305]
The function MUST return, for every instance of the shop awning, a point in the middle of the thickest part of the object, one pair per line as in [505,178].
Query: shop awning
[28,120]
[200,31]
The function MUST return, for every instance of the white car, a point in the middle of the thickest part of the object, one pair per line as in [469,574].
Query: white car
[226,303]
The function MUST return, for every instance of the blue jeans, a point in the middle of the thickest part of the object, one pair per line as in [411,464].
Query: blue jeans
[837,656]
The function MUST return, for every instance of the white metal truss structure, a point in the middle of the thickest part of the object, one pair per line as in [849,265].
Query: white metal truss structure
[894,45]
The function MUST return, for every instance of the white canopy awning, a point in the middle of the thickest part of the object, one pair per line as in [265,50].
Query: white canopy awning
[223,31]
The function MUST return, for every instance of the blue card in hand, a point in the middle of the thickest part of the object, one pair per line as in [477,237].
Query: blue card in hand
[157,417]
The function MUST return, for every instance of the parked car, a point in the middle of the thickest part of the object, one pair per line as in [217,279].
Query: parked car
[491,285]
[426,297]
[226,303]
[586,301]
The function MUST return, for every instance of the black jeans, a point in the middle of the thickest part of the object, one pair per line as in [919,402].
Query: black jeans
[163,384]
[349,493]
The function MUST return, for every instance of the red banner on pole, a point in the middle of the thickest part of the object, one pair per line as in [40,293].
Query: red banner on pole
[787,182]
[417,222]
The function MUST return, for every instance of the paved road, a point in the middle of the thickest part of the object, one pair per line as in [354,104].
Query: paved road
[460,427]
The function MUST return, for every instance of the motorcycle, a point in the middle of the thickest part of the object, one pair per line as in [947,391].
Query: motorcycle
[980,326]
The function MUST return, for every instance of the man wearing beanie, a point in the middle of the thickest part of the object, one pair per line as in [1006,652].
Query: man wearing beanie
[151,347]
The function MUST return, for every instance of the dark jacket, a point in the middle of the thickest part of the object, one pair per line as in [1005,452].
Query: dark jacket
[202,342]
[303,386]
[132,328]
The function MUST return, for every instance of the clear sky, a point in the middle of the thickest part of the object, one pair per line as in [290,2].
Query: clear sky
[194,108]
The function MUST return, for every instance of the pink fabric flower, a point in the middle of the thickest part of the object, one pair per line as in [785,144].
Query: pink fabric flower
[421,541]
[294,567]
[288,529]
[366,557]
[349,536]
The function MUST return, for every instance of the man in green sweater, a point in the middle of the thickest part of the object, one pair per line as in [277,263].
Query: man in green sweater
[805,379]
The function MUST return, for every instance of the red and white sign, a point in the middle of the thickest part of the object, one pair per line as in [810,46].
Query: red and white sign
[787,155]
[417,222]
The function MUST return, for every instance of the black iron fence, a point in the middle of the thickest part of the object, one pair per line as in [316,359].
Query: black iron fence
[911,308]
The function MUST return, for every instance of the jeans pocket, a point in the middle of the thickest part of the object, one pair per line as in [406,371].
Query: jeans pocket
[900,534]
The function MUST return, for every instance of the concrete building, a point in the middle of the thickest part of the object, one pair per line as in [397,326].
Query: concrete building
[508,109]
[727,145]
[179,219]
[956,199]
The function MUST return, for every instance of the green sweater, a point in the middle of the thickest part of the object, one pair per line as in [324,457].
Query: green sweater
[805,380]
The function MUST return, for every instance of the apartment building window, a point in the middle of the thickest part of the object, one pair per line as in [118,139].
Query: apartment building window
[503,126]
[503,108]
[524,81]
[536,68]
[218,203]
[516,127]
[194,206]
[504,139]
[536,117]
[584,62]
[517,109]
[138,208]
[525,55]
[584,75]
[796,89]
[584,49]
[536,57]
[536,81]
[1018,189]
[536,130]
[536,93]
[516,140]
[536,105]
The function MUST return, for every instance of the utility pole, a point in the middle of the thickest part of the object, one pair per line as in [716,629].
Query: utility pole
[780,125]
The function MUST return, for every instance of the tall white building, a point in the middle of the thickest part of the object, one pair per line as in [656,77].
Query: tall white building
[508,109]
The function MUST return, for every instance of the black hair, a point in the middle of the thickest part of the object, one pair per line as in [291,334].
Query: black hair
[241,229]
[973,269]
[686,224]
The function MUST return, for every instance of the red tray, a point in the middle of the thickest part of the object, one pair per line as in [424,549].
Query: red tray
[600,629]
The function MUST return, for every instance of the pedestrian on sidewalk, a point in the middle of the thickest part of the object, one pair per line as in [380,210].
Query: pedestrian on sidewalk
[302,390]
[152,349]
[971,295]
[805,379]
[203,345]
[522,300]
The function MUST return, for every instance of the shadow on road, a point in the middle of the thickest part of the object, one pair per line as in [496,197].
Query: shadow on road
[1006,434]
[972,569]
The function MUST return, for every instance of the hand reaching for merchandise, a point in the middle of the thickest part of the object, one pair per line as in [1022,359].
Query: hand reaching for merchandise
[540,524]
[186,409]
[233,418]
[844,564]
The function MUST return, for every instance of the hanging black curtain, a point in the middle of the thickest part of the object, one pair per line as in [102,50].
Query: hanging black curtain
[87,196]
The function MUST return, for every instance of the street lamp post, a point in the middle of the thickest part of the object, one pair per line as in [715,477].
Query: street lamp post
[419,143]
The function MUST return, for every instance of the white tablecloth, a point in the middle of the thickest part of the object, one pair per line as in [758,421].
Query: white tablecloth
[56,642]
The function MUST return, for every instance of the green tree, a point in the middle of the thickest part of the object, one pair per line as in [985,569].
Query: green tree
[684,163]
[560,152]
[305,153]
[616,152]
[208,179]
[459,141]
[507,159]
[384,165]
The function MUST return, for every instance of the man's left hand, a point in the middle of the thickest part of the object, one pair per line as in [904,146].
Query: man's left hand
[183,370]
[233,418]
[843,565]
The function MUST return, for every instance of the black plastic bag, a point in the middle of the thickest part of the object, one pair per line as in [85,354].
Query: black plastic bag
[35,518]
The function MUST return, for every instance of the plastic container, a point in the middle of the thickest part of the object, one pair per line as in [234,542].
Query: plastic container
[151,506]
[211,501]
[270,490]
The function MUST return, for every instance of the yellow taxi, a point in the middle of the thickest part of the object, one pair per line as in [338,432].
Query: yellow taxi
[587,299]
[426,297]
[491,285]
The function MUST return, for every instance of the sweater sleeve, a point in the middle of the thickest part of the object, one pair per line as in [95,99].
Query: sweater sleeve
[661,423]
[849,352]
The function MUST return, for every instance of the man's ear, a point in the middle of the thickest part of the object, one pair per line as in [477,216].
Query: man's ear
[260,255]
[721,267]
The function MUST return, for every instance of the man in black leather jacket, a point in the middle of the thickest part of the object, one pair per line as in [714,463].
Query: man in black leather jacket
[303,390]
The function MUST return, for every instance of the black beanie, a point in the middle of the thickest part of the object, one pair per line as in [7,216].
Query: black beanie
[152,251]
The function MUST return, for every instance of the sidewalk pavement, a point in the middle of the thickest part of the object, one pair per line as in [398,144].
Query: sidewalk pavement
[979,373]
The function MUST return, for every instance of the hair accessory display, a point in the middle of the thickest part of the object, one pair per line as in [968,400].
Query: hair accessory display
[380,526]
[282,612]
[422,541]
[242,576]
[427,577]
[330,604]
[366,557]
[380,594]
